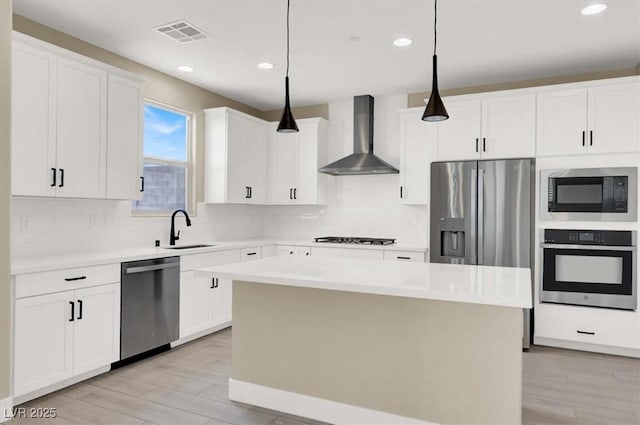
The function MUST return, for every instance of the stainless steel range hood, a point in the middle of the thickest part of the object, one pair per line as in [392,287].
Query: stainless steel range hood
[362,160]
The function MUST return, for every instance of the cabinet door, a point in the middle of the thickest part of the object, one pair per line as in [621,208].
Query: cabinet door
[33,121]
[508,127]
[614,118]
[196,298]
[458,137]
[81,129]
[43,351]
[417,140]
[236,161]
[282,164]
[347,252]
[96,334]
[306,164]
[256,160]
[561,123]
[124,139]
[222,299]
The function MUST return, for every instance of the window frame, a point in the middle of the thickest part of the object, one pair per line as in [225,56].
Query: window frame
[188,164]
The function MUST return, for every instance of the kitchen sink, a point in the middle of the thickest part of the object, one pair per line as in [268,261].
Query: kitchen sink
[188,246]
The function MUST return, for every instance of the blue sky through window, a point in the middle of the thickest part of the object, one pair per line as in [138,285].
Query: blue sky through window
[165,133]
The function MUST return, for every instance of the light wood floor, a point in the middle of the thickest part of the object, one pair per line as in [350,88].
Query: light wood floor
[188,385]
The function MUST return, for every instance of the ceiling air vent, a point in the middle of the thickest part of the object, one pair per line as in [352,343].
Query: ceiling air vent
[181,31]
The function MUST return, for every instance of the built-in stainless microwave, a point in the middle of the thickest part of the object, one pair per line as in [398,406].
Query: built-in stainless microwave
[589,194]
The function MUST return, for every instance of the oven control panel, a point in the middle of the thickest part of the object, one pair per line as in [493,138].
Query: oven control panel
[589,237]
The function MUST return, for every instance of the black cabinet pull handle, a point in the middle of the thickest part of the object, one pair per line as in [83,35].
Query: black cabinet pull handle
[71,279]
[61,177]
[400,191]
[54,172]
[290,193]
[586,333]
[306,253]
[290,252]
[80,310]
[295,193]
[590,137]
[484,144]
[403,258]
[250,192]
[584,135]
[477,140]
[73,311]
[251,253]
[247,195]
[141,184]
[214,282]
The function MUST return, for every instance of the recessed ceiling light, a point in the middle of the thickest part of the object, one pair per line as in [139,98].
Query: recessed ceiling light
[185,68]
[265,65]
[402,42]
[593,9]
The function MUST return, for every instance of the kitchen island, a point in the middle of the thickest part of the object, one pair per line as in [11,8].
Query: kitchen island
[359,341]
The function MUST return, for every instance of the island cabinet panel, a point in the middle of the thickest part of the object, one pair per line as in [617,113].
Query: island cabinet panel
[437,361]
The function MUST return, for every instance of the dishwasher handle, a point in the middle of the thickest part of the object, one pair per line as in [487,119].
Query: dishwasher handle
[153,267]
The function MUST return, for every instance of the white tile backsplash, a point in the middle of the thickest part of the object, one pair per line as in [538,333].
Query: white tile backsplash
[357,206]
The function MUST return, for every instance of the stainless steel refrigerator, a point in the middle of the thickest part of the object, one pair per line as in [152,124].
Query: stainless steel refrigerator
[482,213]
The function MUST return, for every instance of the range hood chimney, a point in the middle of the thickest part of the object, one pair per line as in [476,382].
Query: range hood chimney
[362,160]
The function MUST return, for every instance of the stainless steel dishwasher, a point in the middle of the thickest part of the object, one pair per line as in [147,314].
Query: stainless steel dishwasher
[150,306]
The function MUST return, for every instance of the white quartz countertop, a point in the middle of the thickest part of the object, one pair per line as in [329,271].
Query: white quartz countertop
[498,286]
[33,264]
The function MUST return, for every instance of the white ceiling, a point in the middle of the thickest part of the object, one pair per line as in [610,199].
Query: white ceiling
[479,42]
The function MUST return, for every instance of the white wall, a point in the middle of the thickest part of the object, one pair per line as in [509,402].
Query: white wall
[357,206]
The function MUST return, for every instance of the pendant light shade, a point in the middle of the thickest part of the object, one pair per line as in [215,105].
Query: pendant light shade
[287,122]
[435,110]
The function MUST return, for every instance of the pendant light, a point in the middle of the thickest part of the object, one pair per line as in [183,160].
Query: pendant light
[287,122]
[435,110]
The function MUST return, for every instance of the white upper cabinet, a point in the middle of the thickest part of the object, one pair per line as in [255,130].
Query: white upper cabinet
[417,141]
[458,137]
[599,119]
[492,127]
[33,150]
[61,118]
[124,133]
[294,159]
[81,132]
[235,157]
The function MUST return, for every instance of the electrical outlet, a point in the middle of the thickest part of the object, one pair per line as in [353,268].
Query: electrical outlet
[25,223]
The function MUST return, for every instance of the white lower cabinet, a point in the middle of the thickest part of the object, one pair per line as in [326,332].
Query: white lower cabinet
[205,303]
[412,256]
[589,325]
[302,251]
[64,334]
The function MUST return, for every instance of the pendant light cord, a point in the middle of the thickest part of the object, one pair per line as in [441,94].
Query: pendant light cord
[288,6]
[435,24]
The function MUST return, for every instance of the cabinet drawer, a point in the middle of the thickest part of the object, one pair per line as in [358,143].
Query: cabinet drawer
[30,284]
[592,325]
[250,253]
[303,251]
[417,256]
[373,254]
[208,259]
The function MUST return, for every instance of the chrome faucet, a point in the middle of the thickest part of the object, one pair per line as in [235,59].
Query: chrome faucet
[173,237]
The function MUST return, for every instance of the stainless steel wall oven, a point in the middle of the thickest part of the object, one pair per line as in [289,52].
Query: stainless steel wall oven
[589,267]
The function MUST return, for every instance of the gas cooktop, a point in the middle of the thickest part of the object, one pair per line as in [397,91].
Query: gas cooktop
[356,240]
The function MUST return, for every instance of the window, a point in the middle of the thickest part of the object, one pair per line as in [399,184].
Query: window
[167,165]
